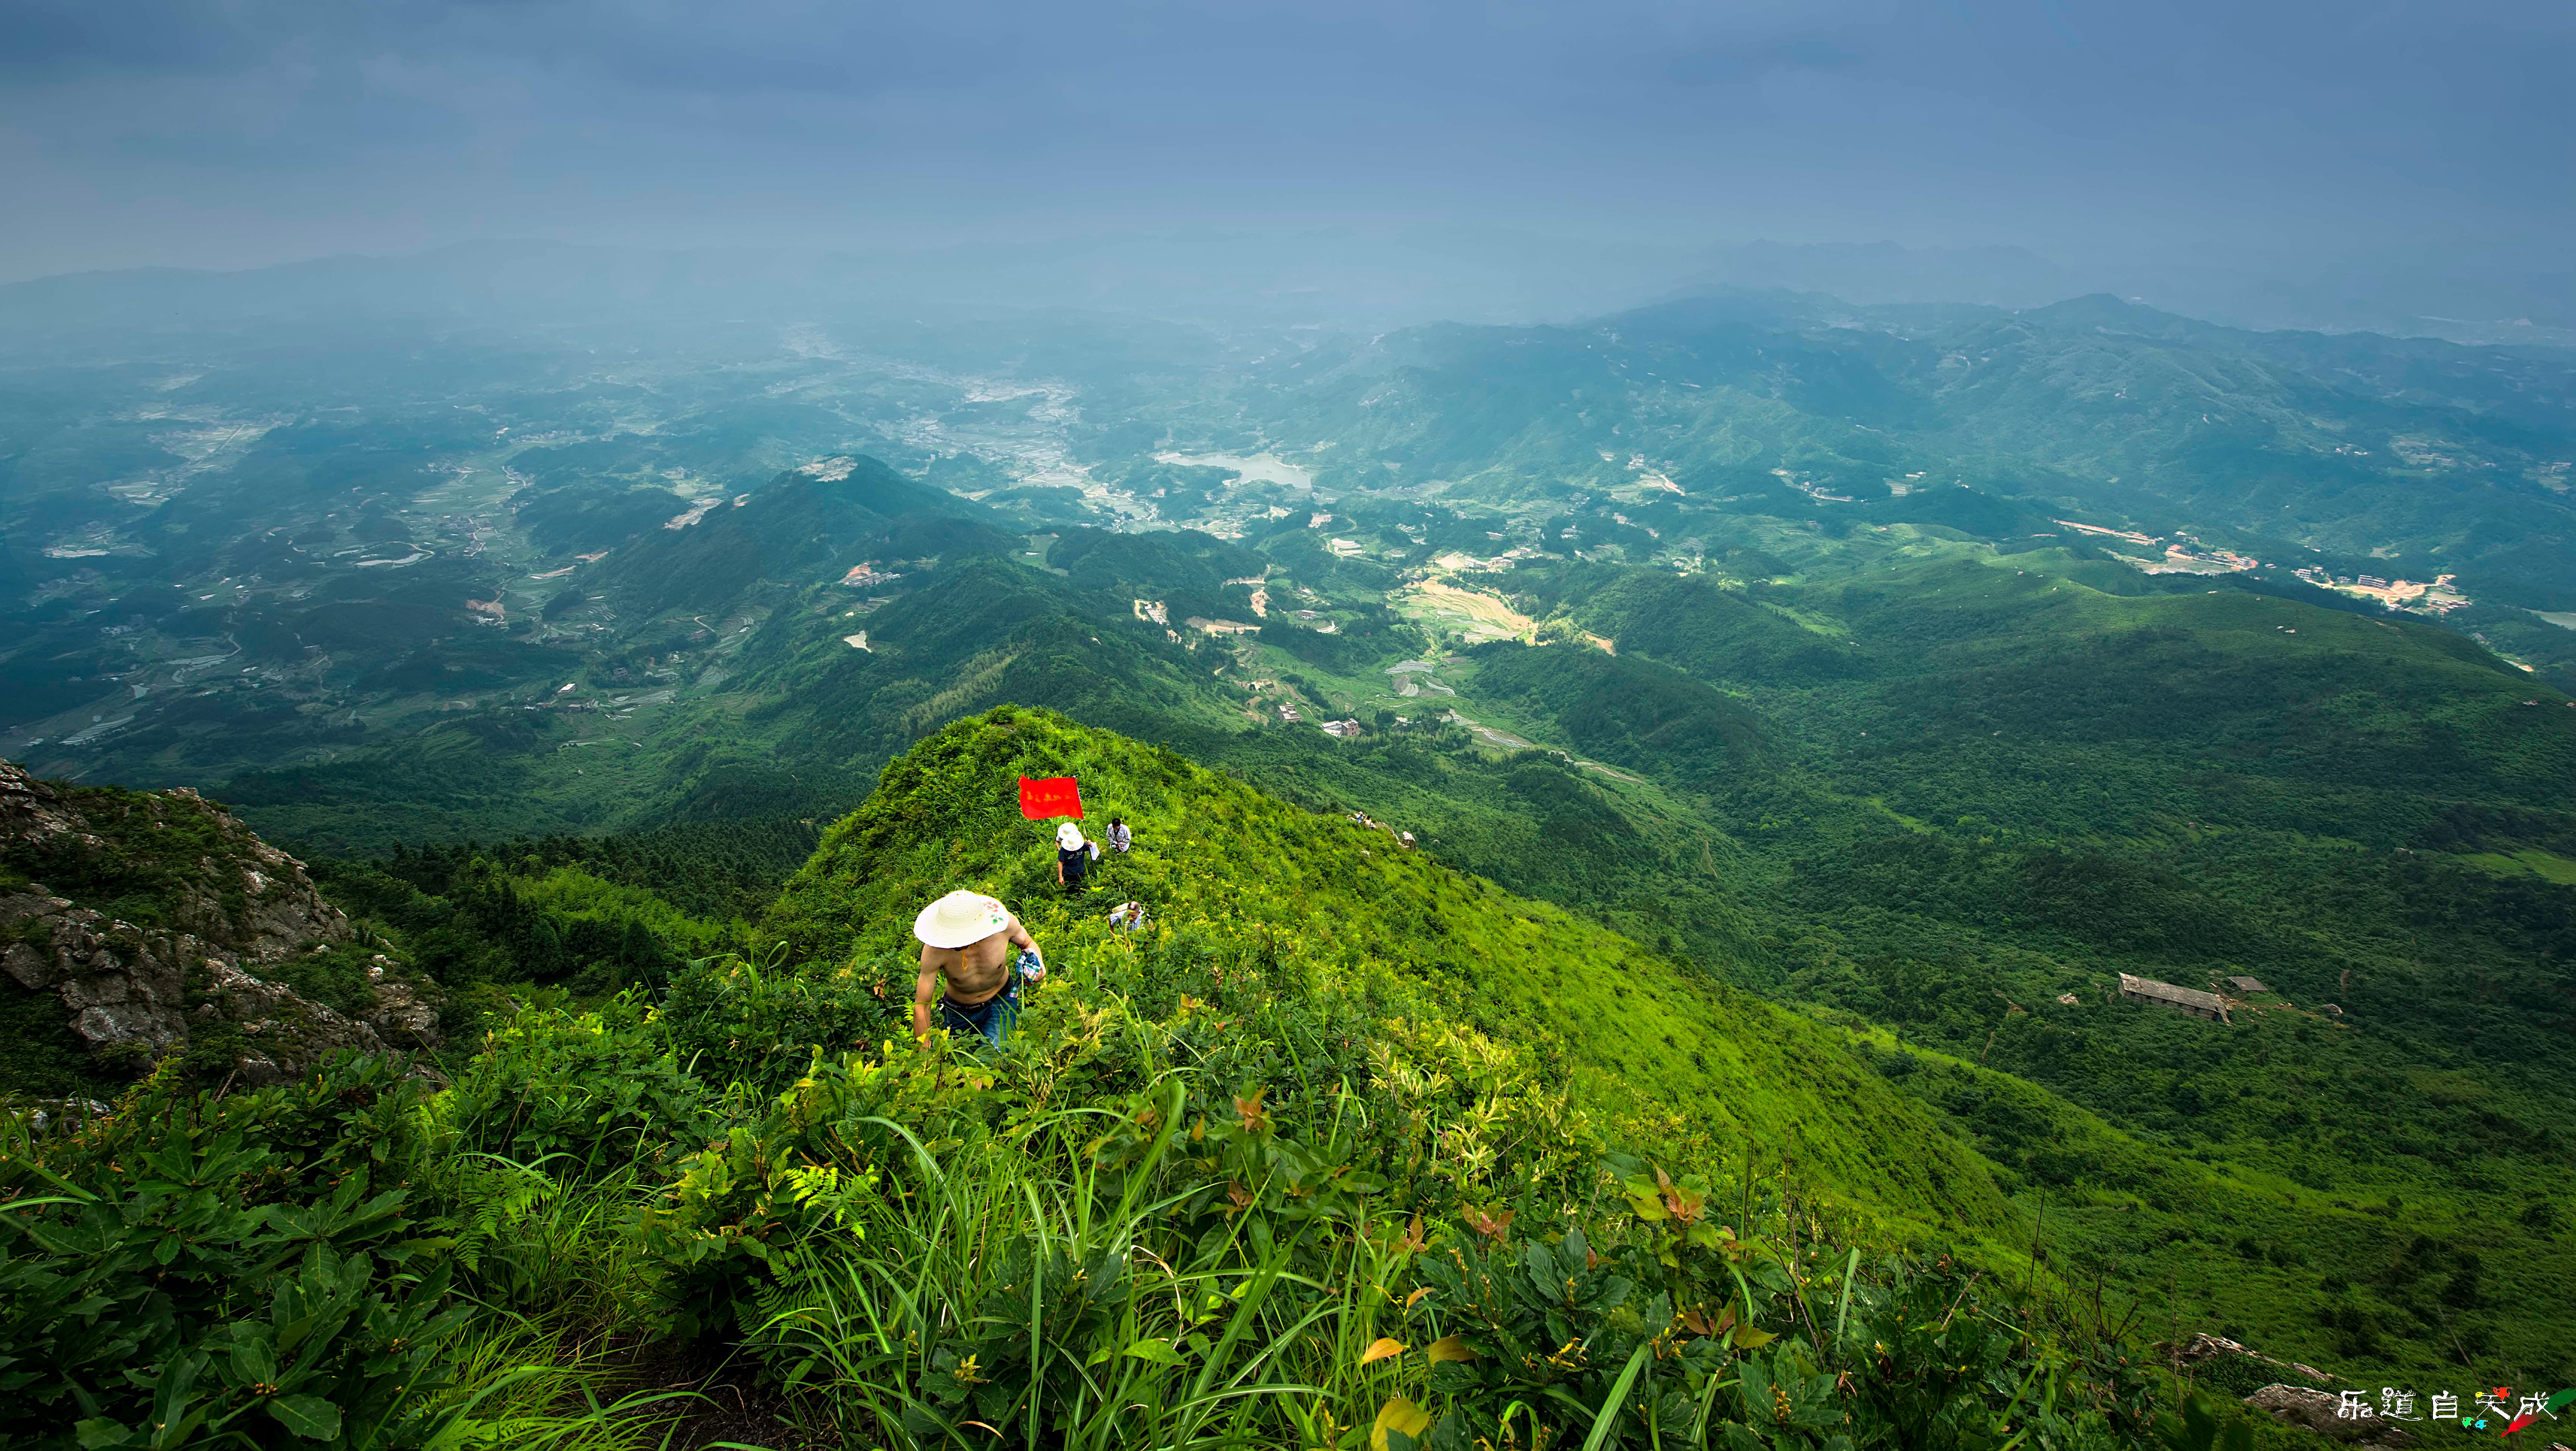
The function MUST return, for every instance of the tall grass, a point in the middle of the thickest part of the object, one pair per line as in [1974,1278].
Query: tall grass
[1132,1273]
[1094,1327]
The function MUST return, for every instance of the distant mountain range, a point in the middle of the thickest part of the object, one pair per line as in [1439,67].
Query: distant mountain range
[1328,277]
[2297,447]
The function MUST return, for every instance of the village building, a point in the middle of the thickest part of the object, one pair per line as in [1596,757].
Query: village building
[2248,984]
[2164,994]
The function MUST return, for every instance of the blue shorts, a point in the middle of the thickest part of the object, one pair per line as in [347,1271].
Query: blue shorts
[994,1017]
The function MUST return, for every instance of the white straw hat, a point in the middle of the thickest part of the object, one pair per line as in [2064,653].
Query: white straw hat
[1068,836]
[960,918]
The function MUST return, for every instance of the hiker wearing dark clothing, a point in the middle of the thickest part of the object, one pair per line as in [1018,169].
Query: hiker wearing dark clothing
[1072,858]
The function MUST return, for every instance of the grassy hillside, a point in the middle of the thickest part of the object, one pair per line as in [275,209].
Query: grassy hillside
[1341,1149]
[1663,1049]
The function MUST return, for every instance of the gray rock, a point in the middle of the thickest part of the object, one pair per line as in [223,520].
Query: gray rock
[2315,1410]
[244,907]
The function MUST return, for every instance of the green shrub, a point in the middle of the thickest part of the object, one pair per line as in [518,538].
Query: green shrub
[576,1095]
[735,1022]
[222,1272]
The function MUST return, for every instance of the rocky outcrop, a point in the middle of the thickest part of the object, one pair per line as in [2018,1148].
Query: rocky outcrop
[2321,1412]
[225,912]
[2205,1346]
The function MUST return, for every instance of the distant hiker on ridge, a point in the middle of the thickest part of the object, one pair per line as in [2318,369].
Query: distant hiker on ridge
[966,941]
[1072,858]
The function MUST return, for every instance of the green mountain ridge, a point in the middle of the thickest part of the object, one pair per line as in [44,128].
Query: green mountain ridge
[1668,1053]
[804,523]
[1393,1076]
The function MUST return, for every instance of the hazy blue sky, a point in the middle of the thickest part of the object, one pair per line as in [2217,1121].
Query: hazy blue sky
[229,132]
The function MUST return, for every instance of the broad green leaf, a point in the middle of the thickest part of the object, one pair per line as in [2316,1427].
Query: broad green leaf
[94,1434]
[1160,1352]
[1448,1348]
[1401,1417]
[1748,1338]
[252,1362]
[309,1416]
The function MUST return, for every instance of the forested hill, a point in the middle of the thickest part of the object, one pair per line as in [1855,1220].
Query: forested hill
[810,524]
[1919,786]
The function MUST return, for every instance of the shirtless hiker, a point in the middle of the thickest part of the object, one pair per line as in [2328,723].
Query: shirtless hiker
[966,942]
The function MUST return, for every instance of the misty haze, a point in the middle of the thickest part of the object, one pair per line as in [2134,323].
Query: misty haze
[1640,726]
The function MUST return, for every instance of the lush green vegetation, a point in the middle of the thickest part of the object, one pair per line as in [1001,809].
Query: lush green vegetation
[2035,785]
[2013,785]
[1342,1149]
[589,916]
[1883,742]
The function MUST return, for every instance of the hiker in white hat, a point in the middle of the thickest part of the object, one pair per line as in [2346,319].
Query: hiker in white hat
[1073,858]
[966,942]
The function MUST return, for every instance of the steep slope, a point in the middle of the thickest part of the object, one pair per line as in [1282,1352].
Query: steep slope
[1669,1054]
[140,925]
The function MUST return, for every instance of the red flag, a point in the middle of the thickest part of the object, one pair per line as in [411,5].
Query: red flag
[1054,796]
